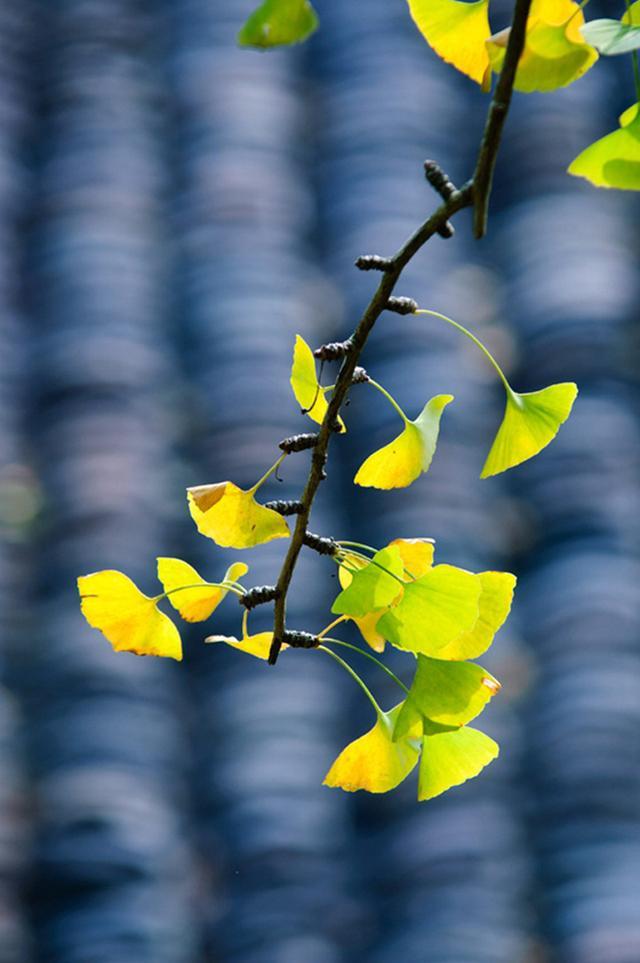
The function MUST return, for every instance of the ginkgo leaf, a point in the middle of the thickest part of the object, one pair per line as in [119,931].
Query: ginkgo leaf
[450,758]
[194,604]
[131,621]
[374,762]
[433,611]
[232,517]
[530,422]
[309,394]
[416,555]
[400,462]
[278,22]
[372,587]
[417,559]
[457,31]
[614,160]
[494,606]
[257,645]
[555,52]
[613,37]
[447,693]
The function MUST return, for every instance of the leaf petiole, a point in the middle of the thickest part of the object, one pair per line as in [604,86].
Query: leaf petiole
[268,474]
[367,655]
[392,401]
[354,675]
[476,341]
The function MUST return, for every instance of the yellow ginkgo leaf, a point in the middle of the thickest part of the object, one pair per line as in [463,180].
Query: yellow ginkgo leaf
[416,555]
[614,160]
[494,606]
[309,394]
[530,422]
[457,31]
[400,462]
[257,645]
[450,758]
[195,604]
[232,517]
[131,621]
[555,52]
[374,762]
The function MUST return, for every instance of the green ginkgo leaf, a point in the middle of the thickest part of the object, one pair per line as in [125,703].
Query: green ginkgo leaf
[612,37]
[614,160]
[433,611]
[530,422]
[399,463]
[278,22]
[375,762]
[494,606]
[450,758]
[447,693]
[375,586]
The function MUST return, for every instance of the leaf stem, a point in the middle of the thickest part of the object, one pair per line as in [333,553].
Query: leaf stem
[268,474]
[476,341]
[200,585]
[354,675]
[372,658]
[367,548]
[372,561]
[332,625]
[392,401]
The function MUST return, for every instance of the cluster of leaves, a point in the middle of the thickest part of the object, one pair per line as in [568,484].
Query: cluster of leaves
[441,615]
[559,49]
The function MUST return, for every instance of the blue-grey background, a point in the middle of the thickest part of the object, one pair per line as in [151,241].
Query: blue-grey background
[172,211]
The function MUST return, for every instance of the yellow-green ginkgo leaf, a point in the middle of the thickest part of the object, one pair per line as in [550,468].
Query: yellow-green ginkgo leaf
[447,693]
[433,611]
[232,517]
[374,762]
[457,32]
[193,597]
[309,393]
[555,52]
[257,645]
[614,160]
[494,606]
[400,462]
[131,621]
[278,22]
[372,587]
[530,422]
[450,758]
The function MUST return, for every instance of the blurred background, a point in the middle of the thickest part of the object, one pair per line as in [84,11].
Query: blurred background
[173,210]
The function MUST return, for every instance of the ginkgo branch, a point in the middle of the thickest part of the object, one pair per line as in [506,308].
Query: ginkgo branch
[476,192]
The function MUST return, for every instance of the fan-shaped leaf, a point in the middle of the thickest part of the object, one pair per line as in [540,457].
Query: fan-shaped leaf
[457,31]
[309,394]
[256,645]
[278,22]
[372,587]
[450,758]
[494,606]
[194,604]
[400,462]
[131,621]
[555,52]
[530,422]
[232,517]
[374,762]
[447,693]
[433,611]
[614,160]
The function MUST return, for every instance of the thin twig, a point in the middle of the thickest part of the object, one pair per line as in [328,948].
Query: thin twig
[476,191]
[498,110]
